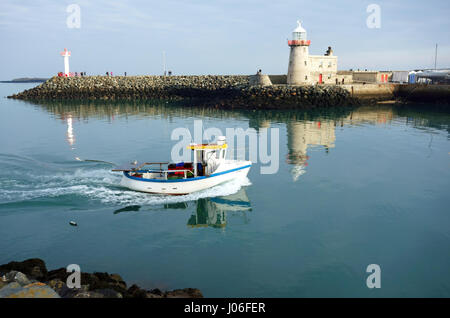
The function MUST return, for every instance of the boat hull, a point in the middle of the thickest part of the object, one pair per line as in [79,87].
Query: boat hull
[183,186]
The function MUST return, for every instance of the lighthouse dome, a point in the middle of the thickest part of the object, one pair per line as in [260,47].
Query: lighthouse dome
[299,27]
[299,32]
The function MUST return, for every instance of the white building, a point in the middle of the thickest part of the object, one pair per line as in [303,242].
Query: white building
[309,69]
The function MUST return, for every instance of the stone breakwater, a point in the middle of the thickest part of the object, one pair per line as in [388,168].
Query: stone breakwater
[31,279]
[232,91]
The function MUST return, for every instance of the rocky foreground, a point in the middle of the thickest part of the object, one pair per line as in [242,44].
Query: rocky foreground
[231,91]
[31,279]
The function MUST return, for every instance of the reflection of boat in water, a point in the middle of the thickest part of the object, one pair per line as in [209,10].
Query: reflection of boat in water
[212,212]
[208,212]
[208,169]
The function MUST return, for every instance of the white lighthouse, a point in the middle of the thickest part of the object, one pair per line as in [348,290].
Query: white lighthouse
[298,70]
[66,55]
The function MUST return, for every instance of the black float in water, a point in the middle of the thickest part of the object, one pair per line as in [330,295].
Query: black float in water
[73,223]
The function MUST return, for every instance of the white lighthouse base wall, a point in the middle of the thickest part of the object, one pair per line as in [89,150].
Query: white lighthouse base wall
[298,70]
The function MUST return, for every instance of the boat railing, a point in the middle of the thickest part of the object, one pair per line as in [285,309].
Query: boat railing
[150,164]
[133,167]
[165,173]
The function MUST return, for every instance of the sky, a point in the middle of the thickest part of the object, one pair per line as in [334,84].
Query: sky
[217,36]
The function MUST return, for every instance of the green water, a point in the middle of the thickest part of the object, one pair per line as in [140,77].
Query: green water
[354,187]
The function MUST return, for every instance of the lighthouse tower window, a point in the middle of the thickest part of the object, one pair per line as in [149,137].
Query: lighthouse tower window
[305,63]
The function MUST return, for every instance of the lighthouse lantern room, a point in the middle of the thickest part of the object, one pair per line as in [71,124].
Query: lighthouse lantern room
[299,33]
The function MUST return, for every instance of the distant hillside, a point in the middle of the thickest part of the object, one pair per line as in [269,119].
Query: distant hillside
[26,80]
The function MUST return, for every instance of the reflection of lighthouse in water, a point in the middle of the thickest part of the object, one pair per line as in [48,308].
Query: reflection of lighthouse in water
[303,134]
[70,135]
[212,212]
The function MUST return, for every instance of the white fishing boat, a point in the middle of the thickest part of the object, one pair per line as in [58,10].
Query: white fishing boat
[209,168]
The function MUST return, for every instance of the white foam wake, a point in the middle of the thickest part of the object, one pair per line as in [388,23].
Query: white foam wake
[100,185]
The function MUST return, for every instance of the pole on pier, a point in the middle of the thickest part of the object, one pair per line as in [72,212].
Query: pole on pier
[164,63]
[435,58]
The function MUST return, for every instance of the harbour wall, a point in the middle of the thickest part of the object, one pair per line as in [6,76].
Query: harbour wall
[229,91]
[414,93]
[423,93]
[221,91]
[371,91]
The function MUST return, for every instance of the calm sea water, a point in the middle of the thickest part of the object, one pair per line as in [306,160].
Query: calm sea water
[360,187]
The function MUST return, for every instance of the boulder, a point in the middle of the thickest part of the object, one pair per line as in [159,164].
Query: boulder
[93,281]
[136,292]
[34,268]
[18,277]
[34,290]
[2,283]
[9,289]
[155,293]
[17,280]
[67,292]
[184,293]
[108,293]
[87,294]
[117,280]
[57,285]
